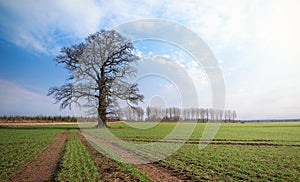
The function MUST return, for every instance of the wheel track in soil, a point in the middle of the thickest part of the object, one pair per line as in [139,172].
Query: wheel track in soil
[45,166]
[153,172]
[108,169]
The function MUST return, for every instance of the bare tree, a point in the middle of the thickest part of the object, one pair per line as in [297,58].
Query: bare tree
[234,115]
[228,116]
[148,113]
[221,114]
[171,114]
[98,68]
[140,113]
[128,114]
[201,114]
[177,112]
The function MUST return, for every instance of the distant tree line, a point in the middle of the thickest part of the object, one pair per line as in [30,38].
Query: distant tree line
[270,120]
[170,114]
[38,118]
[175,114]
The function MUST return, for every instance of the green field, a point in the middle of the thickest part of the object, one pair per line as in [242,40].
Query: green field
[76,164]
[274,132]
[20,145]
[251,152]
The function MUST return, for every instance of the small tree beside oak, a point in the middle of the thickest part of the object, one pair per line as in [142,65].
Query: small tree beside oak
[98,72]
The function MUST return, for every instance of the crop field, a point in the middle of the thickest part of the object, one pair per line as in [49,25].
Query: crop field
[20,145]
[251,151]
[247,152]
[76,163]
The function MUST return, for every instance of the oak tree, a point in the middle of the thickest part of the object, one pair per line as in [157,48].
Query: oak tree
[99,69]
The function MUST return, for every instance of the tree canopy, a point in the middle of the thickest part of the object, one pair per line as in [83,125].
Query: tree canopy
[99,69]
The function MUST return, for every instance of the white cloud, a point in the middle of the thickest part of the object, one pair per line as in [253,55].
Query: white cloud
[185,76]
[257,40]
[217,21]
[166,56]
[139,53]
[16,100]
[42,25]
[266,81]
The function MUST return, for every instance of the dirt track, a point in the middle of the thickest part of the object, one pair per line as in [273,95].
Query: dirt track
[153,172]
[43,168]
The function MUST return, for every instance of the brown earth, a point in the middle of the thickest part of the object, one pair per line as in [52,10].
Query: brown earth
[153,172]
[108,169]
[44,167]
[157,173]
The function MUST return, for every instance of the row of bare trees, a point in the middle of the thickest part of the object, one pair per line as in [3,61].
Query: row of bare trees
[176,114]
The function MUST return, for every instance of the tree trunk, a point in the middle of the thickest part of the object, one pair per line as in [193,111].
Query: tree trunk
[101,117]
[101,123]
[102,106]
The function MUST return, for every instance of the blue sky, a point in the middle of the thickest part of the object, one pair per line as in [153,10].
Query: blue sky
[255,42]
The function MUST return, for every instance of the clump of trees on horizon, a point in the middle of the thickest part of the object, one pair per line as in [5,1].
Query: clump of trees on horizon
[149,114]
[38,118]
[173,114]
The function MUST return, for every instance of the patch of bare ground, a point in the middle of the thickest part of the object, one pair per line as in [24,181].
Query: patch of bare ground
[153,172]
[157,173]
[108,169]
[44,167]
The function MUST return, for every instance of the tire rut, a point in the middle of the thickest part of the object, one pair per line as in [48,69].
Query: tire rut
[45,166]
[157,173]
[108,169]
[154,173]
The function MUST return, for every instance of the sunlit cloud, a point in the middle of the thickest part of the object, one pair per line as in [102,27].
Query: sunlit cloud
[256,42]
